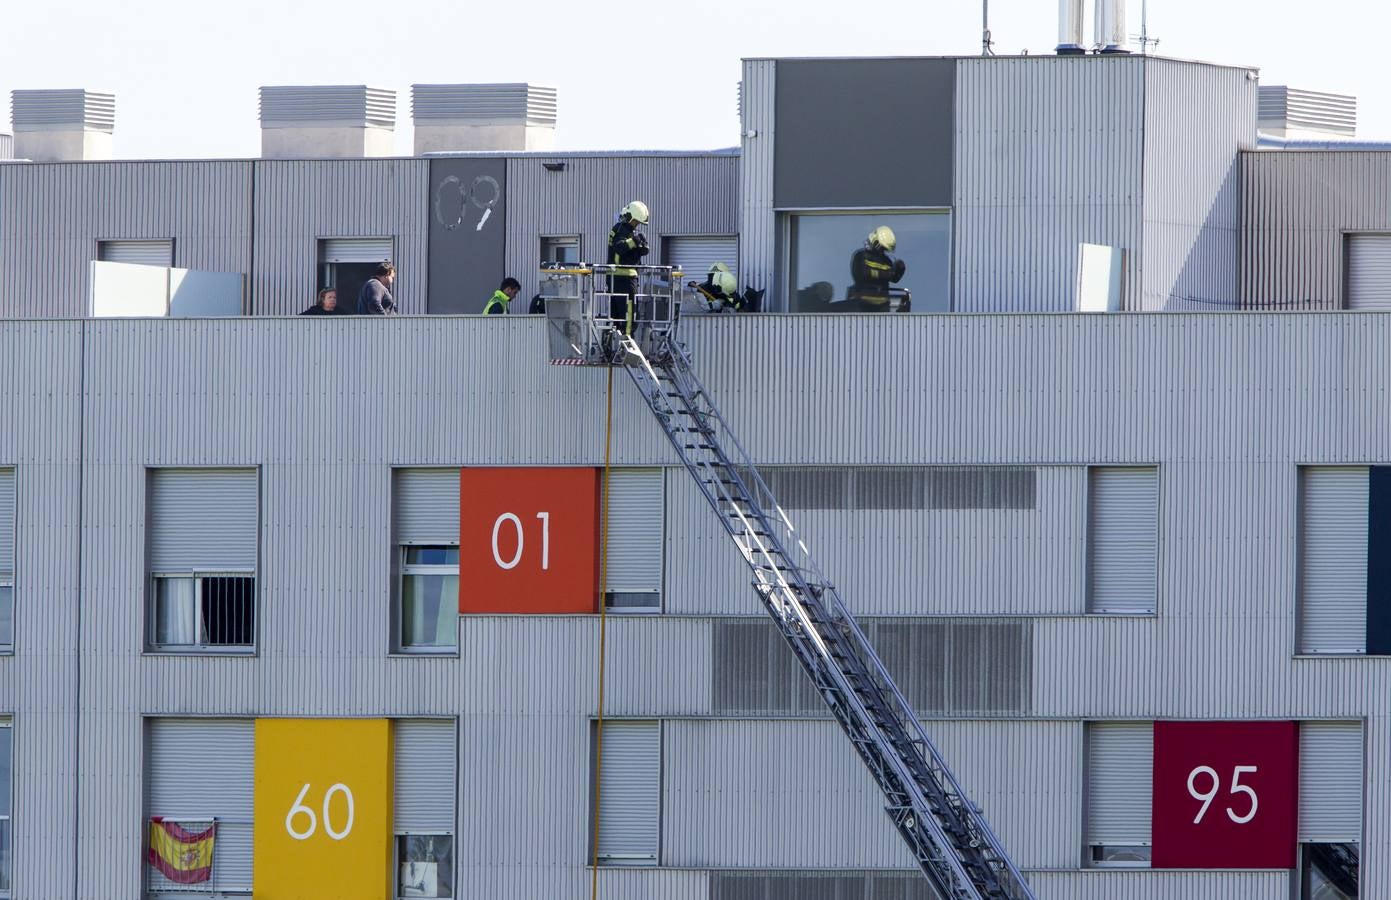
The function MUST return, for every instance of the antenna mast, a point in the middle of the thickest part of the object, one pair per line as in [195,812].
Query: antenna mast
[985,41]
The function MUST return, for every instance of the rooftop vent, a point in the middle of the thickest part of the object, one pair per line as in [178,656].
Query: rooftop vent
[332,120]
[483,117]
[1287,112]
[62,125]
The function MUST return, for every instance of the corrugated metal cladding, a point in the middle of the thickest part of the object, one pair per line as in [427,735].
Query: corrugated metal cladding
[1112,884]
[53,214]
[1295,210]
[1197,118]
[38,683]
[943,667]
[757,222]
[583,199]
[1048,155]
[299,202]
[1228,406]
[903,540]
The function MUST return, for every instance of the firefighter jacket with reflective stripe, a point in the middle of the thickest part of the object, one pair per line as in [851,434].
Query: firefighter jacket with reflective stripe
[626,248]
[873,271]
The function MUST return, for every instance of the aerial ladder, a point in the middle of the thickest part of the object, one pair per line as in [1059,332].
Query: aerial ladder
[947,834]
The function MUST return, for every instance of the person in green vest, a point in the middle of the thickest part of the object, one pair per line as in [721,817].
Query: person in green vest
[498,302]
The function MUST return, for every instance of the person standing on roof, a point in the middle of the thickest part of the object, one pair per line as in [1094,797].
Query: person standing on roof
[375,297]
[627,247]
[498,303]
[873,270]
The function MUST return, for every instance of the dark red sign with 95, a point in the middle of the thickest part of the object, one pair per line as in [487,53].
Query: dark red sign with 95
[1226,795]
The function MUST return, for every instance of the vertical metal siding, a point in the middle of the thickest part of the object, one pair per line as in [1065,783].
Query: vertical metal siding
[1330,782]
[1048,155]
[53,214]
[1296,206]
[198,769]
[687,195]
[630,777]
[203,520]
[1333,559]
[757,229]
[1120,764]
[1197,120]
[300,201]
[426,760]
[1368,272]
[637,511]
[1122,539]
[426,506]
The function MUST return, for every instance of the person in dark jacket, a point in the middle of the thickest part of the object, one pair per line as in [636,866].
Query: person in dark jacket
[498,303]
[326,306]
[873,270]
[720,290]
[375,297]
[627,247]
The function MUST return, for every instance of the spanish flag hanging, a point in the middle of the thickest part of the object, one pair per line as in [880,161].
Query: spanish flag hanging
[183,857]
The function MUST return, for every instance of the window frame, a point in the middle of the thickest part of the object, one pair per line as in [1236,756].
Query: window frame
[7,581]
[396,861]
[784,251]
[398,611]
[1089,609]
[173,242]
[7,813]
[626,861]
[549,241]
[201,648]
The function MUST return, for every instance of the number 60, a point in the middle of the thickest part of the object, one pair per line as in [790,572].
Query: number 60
[299,809]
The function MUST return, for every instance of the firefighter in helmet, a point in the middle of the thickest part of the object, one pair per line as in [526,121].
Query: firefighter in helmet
[873,270]
[627,247]
[720,290]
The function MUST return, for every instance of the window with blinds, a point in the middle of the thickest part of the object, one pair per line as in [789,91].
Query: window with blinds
[628,787]
[1331,779]
[1122,539]
[141,253]
[426,756]
[425,522]
[636,511]
[1333,542]
[7,558]
[203,533]
[1119,782]
[6,792]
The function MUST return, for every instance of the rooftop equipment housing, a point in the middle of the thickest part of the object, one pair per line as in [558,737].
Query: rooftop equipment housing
[483,117]
[338,121]
[1286,112]
[63,125]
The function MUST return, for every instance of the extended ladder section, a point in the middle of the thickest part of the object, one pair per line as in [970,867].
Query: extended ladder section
[947,834]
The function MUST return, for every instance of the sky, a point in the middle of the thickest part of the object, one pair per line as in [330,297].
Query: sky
[186,73]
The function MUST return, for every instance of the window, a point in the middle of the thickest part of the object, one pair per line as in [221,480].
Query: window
[1330,810]
[564,249]
[6,759]
[1122,539]
[1345,559]
[1119,780]
[426,525]
[820,247]
[347,263]
[143,253]
[425,760]
[202,530]
[943,667]
[7,529]
[628,788]
[199,776]
[635,540]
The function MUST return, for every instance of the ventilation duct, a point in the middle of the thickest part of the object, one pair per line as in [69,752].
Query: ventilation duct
[327,121]
[1070,26]
[455,117]
[1109,26]
[63,125]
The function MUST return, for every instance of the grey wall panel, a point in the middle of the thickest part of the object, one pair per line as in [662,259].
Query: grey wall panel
[824,811]
[830,112]
[1197,119]
[1295,208]
[1048,155]
[757,221]
[687,195]
[53,214]
[299,202]
[468,228]
[903,561]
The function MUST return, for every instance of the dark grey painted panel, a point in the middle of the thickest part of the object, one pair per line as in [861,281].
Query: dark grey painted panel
[864,132]
[466,249]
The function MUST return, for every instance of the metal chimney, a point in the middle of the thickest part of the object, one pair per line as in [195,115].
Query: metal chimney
[63,125]
[1109,26]
[1070,27]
